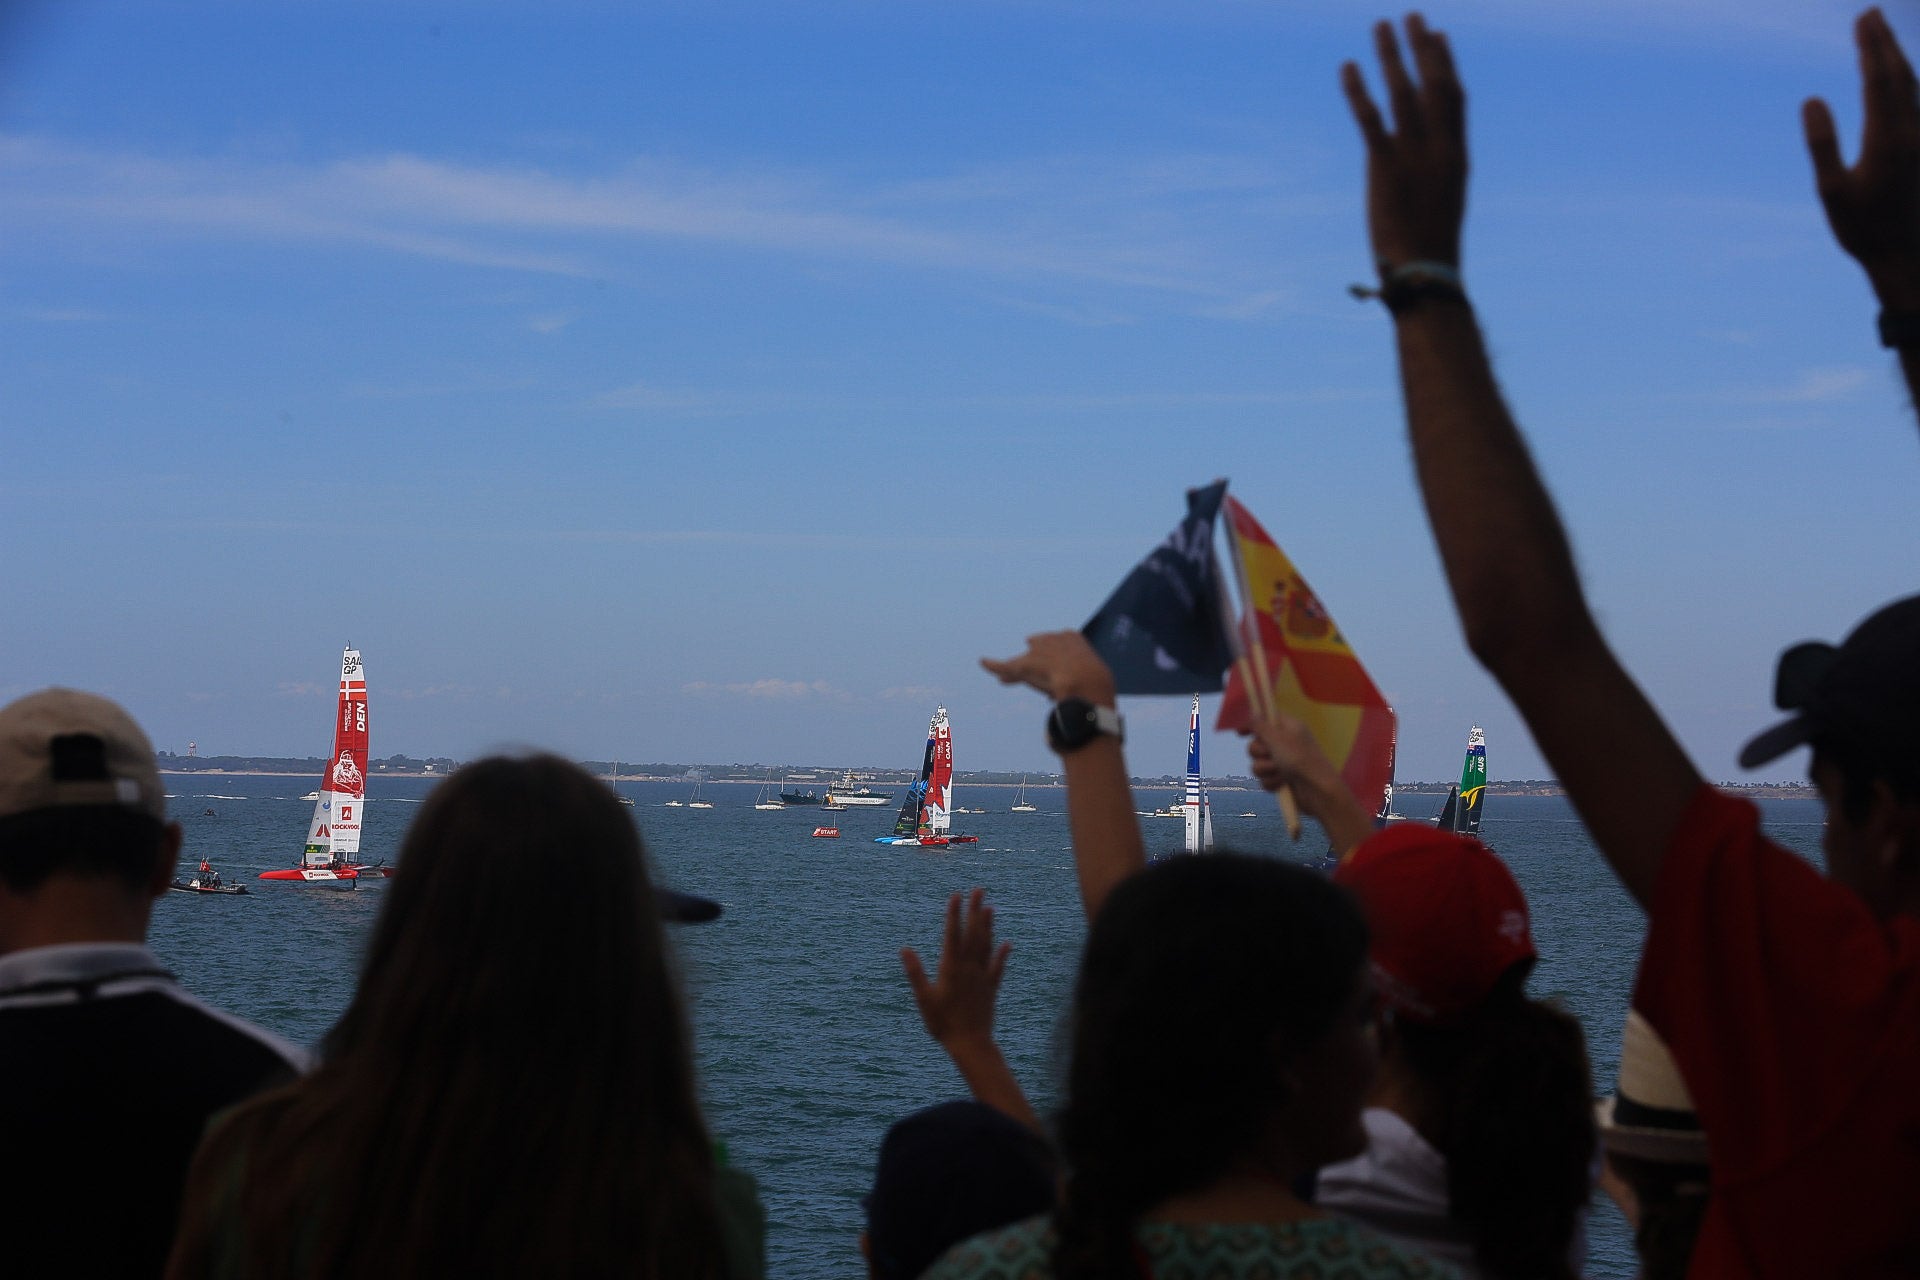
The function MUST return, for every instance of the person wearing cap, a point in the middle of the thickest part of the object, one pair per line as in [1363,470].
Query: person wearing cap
[1791,1002]
[108,1069]
[1656,1156]
[953,1170]
[948,1172]
[1479,1128]
[511,1090]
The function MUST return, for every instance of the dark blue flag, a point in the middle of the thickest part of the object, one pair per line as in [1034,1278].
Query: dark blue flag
[1160,631]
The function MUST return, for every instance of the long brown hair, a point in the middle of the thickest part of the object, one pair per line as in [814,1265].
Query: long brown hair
[1201,978]
[511,1091]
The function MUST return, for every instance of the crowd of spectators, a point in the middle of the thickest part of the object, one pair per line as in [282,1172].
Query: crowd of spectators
[1271,1072]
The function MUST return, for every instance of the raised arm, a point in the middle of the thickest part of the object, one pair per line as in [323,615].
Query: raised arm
[1107,847]
[956,1005]
[1284,754]
[1874,205]
[1500,539]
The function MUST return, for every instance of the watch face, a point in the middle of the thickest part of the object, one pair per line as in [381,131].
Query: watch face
[1071,724]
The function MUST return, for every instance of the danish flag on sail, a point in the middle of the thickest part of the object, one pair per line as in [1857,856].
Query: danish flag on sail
[333,837]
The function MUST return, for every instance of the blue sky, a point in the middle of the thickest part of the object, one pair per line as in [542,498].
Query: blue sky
[718,382]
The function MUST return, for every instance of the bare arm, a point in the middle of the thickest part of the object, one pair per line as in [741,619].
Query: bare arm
[1874,205]
[1506,555]
[1107,847]
[956,1005]
[1284,754]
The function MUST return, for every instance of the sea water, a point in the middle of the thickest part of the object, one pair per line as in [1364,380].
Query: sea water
[807,1038]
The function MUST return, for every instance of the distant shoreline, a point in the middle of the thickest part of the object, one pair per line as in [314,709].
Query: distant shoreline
[1749,790]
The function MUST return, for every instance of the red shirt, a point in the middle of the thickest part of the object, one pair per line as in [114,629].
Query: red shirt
[1795,1017]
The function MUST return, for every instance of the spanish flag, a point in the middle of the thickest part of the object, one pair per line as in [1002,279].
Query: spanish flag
[1303,665]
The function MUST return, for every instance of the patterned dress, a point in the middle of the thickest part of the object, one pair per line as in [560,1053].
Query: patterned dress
[1310,1249]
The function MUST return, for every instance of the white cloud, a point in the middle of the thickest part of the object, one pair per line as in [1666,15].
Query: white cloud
[1812,386]
[1180,225]
[769,688]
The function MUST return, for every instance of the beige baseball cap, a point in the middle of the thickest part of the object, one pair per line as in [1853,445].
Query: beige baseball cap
[61,747]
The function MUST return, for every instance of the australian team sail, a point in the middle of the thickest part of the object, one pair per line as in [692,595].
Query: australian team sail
[334,835]
[1199,813]
[907,821]
[1461,813]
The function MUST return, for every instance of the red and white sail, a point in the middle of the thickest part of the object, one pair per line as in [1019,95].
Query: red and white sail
[335,832]
[936,814]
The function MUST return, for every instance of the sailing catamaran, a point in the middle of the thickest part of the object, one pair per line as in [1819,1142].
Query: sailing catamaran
[1461,813]
[333,838]
[1198,809]
[926,816]
[1387,812]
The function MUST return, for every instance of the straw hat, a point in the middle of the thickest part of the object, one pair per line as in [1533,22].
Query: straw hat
[1650,1115]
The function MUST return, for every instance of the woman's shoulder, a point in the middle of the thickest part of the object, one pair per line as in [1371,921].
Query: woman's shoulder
[1185,1251]
[1309,1247]
[1023,1251]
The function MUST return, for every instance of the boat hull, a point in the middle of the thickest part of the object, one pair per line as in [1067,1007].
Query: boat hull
[327,875]
[927,841]
[835,800]
[194,886]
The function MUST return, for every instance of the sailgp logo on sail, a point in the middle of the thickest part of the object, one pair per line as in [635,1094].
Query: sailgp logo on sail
[347,776]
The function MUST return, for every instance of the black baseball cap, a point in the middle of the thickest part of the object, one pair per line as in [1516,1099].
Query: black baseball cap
[1865,692]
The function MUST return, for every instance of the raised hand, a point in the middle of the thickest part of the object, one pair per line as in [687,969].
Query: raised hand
[1874,205]
[1417,172]
[956,1004]
[1060,664]
[1283,754]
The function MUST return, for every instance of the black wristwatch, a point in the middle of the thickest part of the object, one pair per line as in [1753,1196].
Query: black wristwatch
[1074,722]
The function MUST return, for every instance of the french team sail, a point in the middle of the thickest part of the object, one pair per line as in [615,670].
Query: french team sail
[1199,815]
[335,832]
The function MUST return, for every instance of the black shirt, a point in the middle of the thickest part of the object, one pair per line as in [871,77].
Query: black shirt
[109,1073]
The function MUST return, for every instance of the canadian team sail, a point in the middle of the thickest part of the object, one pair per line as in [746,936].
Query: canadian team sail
[1199,813]
[926,816]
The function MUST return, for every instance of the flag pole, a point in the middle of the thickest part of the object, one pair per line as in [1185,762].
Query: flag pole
[1251,662]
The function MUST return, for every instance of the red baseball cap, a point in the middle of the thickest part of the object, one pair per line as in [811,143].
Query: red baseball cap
[1448,919]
